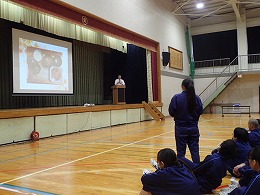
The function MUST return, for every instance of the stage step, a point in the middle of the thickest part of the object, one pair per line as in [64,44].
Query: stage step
[153,111]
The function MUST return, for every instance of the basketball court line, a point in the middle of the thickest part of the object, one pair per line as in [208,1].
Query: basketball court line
[23,190]
[75,145]
[86,157]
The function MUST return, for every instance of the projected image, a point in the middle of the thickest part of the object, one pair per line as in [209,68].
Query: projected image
[44,66]
[41,66]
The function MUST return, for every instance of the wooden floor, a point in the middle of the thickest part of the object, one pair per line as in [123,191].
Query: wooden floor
[105,161]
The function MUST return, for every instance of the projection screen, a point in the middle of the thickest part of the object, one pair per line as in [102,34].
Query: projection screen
[41,65]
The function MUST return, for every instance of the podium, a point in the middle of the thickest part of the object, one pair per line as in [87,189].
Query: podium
[118,94]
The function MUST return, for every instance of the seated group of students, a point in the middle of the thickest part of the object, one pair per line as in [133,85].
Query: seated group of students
[240,156]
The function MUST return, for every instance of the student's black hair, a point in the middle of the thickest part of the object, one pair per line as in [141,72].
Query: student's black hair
[192,101]
[168,157]
[254,154]
[241,134]
[228,149]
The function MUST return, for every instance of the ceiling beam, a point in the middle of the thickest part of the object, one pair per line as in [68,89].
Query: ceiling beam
[210,12]
[236,9]
[179,7]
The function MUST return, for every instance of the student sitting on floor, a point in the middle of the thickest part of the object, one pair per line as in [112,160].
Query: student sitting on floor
[212,169]
[254,135]
[240,136]
[171,178]
[253,186]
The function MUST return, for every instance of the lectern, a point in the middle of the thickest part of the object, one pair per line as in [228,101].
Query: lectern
[118,94]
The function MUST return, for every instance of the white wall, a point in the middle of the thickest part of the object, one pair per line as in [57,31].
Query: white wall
[201,83]
[170,87]
[243,90]
[150,18]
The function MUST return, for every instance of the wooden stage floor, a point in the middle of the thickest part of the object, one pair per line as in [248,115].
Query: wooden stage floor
[105,161]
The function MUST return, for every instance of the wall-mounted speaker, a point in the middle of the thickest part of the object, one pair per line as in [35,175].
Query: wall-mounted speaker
[165,58]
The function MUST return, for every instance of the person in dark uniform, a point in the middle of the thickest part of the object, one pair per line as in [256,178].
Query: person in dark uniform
[171,178]
[253,186]
[254,135]
[240,136]
[244,170]
[213,168]
[243,148]
[186,108]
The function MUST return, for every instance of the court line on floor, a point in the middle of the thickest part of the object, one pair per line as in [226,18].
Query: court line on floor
[75,145]
[23,190]
[86,157]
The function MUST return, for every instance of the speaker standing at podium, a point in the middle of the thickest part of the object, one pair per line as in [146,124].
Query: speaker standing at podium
[119,91]
[119,81]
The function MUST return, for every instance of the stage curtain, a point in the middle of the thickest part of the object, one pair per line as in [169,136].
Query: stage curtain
[87,71]
[155,76]
[16,13]
[136,77]
[88,65]
[5,66]
[149,75]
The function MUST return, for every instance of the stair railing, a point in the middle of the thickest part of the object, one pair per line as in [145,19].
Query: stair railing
[221,79]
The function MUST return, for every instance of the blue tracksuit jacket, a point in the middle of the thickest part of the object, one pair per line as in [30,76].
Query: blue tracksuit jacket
[186,125]
[251,189]
[178,109]
[243,149]
[210,172]
[174,180]
[254,137]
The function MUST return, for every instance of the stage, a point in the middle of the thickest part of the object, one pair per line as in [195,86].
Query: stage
[17,124]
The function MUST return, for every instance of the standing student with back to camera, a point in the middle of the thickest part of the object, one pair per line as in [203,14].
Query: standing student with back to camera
[186,108]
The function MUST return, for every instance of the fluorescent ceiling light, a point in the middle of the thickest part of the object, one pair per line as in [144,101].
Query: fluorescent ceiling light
[200,5]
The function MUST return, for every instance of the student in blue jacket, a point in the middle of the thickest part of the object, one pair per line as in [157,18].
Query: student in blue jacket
[244,168]
[253,187]
[186,108]
[171,178]
[254,135]
[240,136]
[213,168]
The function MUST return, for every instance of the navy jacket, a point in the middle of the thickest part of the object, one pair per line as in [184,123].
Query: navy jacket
[243,149]
[210,172]
[252,189]
[254,137]
[173,180]
[178,109]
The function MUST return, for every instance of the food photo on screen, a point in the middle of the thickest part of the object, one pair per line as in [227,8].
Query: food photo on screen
[41,64]
[44,66]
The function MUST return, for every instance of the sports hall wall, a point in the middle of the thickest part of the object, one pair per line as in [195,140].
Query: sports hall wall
[151,19]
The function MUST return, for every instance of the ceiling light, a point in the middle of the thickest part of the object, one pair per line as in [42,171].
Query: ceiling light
[200,5]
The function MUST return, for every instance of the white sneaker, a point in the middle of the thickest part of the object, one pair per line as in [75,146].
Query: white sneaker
[234,184]
[146,171]
[154,163]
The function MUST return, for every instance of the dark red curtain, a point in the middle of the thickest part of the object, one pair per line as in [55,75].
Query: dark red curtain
[155,76]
